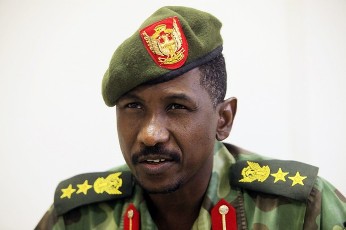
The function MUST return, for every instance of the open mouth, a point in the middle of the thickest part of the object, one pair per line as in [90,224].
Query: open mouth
[155,164]
[156,161]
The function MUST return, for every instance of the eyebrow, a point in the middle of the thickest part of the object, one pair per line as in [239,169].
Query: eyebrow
[128,96]
[180,96]
[173,96]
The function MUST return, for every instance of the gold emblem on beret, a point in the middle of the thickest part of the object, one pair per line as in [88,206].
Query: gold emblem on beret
[254,172]
[166,43]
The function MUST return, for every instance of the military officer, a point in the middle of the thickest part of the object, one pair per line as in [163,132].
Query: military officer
[168,84]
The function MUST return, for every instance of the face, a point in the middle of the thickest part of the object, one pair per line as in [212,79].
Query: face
[167,132]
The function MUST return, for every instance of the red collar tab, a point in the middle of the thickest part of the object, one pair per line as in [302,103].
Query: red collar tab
[223,216]
[166,43]
[131,218]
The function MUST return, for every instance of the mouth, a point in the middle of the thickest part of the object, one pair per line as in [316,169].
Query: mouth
[154,161]
[155,164]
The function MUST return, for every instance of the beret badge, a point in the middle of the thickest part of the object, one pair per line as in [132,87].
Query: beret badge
[166,43]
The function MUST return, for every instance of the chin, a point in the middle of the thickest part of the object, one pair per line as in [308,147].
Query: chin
[160,190]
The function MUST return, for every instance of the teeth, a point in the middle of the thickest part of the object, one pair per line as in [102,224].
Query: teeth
[156,161]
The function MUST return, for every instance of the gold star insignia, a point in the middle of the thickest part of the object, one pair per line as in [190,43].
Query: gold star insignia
[280,175]
[83,188]
[67,192]
[297,179]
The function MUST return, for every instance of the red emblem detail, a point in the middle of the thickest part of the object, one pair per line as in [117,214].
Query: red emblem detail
[166,43]
[131,218]
[223,216]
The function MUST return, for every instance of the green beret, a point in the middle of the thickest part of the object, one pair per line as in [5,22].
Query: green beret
[172,41]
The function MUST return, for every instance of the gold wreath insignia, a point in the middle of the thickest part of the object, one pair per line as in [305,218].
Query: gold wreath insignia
[110,184]
[254,172]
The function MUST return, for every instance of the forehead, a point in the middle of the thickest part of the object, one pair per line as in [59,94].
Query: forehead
[187,83]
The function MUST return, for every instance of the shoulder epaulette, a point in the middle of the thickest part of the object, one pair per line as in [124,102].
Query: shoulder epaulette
[284,178]
[90,188]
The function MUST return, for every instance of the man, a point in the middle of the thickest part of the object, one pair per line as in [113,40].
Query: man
[168,83]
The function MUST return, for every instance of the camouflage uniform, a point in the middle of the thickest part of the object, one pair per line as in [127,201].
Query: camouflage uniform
[324,208]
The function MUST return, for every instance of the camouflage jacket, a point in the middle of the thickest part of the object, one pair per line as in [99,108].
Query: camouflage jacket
[266,194]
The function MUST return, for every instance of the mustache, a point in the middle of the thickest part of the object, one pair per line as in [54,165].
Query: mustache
[158,150]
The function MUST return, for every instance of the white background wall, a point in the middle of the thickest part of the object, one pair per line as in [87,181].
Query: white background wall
[286,62]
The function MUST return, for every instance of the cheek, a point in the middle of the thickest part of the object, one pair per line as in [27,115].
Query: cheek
[126,129]
[198,134]
[205,127]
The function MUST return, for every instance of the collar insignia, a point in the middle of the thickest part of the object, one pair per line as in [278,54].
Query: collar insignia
[166,43]
[131,218]
[223,216]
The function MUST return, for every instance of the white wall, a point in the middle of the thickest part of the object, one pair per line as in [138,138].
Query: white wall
[286,62]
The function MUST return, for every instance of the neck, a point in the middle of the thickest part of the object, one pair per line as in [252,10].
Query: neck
[180,209]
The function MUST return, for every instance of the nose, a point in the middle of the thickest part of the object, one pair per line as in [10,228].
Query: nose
[153,132]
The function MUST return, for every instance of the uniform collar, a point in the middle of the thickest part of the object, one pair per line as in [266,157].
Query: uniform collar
[219,186]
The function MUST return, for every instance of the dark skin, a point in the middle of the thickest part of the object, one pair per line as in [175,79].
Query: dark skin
[167,133]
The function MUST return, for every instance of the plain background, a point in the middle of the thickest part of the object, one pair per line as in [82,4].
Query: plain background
[286,62]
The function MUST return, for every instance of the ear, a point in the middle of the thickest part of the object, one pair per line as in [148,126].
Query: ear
[227,111]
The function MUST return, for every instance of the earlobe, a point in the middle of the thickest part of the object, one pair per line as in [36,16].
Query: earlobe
[227,111]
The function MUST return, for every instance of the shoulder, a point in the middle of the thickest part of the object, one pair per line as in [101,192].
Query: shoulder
[255,172]
[327,193]
[90,188]
[86,199]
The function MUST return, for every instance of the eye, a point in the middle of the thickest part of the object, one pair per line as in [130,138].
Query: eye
[134,105]
[176,106]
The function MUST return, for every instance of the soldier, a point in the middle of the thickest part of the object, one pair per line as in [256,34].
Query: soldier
[168,83]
